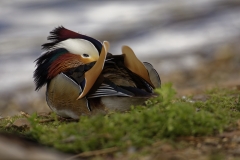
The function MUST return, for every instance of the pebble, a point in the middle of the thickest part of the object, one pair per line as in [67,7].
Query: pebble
[211,141]
[21,122]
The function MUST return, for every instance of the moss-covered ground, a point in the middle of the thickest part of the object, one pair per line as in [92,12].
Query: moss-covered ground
[164,124]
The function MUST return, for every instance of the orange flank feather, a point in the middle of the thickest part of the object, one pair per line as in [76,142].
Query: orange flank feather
[64,62]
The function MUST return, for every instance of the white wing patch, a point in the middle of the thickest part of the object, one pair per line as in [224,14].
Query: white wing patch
[106,90]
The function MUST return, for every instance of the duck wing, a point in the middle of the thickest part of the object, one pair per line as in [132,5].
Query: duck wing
[118,80]
[62,92]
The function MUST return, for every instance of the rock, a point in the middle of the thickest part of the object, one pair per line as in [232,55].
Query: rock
[21,123]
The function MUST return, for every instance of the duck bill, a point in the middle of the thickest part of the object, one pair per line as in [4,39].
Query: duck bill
[134,64]
[92,74]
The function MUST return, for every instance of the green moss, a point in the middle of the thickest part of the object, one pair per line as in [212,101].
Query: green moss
[164,117]
[6,125]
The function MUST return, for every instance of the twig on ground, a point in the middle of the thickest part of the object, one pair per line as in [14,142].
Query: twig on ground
[94,153]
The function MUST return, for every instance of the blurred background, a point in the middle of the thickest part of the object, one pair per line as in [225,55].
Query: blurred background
[193,44]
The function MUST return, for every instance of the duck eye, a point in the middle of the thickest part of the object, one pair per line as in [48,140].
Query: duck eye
[85,55]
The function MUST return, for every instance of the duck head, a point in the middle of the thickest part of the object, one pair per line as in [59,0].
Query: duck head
[66,50]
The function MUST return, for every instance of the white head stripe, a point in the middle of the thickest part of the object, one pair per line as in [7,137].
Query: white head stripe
[77,46]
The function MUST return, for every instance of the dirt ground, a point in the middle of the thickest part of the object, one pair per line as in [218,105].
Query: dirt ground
[222,69]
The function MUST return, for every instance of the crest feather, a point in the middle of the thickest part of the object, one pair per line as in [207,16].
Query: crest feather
[60,34]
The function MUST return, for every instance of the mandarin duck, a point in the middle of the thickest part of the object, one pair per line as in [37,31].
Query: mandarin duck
[83,78]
